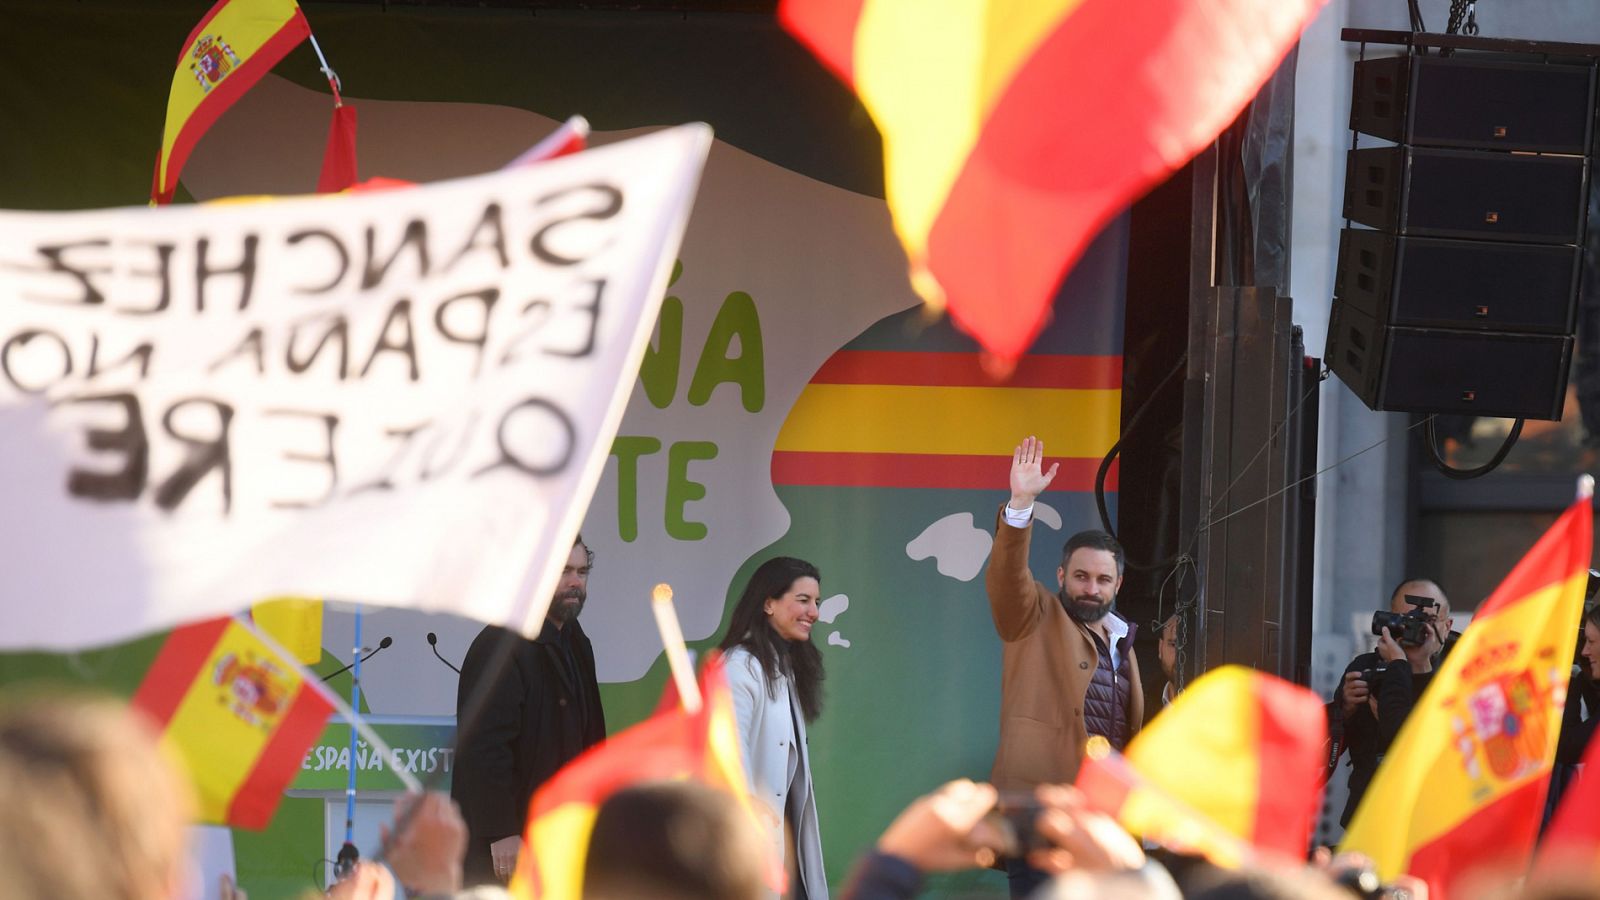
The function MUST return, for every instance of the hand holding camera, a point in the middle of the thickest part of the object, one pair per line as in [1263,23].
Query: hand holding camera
[1412,628]
[946,830]
[1055,831]
[1080,838]
[1389,650]
[1412,635]
[1358,688]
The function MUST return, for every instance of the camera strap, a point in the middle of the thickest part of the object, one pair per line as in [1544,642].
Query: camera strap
[1336,739]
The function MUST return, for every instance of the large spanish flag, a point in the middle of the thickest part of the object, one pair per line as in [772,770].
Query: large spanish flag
[238,717]
[673,744]
[1463,784]
[1244,749]
[235,44]
[1013,130]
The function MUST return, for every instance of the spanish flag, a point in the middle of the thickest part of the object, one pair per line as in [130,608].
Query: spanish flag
[235,44]
[238,717]
[1013,130]
[672,744]
[1244,749]
[880,418]
[1112,786]
[1463,784]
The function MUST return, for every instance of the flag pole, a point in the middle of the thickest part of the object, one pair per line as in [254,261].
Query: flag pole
[333,77]
[677,652]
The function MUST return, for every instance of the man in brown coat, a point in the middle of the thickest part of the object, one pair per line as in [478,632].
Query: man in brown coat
[1068,669]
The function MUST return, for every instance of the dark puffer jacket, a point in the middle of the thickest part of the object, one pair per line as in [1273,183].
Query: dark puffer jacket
[1110,692]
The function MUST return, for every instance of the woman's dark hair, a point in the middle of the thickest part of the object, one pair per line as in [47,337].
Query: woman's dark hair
[749,629]
[1592,613]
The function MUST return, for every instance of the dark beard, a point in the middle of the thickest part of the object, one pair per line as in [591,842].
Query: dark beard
[1079,612]
[561,613]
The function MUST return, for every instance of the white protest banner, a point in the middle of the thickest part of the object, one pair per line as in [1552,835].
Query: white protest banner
[402,397]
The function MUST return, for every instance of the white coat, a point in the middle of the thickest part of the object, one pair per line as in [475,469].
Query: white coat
[766,736]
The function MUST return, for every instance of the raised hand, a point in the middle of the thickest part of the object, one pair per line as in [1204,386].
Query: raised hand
[427,855]
[1027,481]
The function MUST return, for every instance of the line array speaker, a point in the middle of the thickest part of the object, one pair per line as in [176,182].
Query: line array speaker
[1461,294]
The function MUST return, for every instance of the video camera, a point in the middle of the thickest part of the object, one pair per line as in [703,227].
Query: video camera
[1409,629]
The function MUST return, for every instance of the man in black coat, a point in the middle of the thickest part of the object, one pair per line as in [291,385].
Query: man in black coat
[540,708]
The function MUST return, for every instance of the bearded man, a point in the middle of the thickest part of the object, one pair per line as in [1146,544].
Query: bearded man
[1067,668]
[540,708]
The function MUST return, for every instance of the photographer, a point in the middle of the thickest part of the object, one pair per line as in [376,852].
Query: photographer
[1379,689]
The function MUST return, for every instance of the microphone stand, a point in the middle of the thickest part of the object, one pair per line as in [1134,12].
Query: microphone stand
[345,865]
[382,645]
[433,642]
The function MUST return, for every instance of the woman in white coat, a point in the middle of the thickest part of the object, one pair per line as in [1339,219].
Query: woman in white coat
[775,674]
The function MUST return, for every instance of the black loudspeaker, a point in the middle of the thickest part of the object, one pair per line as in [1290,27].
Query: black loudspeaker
[1467,194]
[1474,102]
[1475,285]
[1464,298]
[1436,370]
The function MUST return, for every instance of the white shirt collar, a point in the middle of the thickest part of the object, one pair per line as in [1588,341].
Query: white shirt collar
[1116,627]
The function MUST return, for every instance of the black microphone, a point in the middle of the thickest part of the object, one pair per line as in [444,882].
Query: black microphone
[345,865]
[433,641]
[382,645]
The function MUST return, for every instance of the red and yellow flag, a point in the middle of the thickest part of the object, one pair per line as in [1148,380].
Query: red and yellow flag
[1013,130]
[877,418]
[339,169]
[235,44]
[672,744]
[1112,786]
[1244,749]
[239,718]
[1463,784]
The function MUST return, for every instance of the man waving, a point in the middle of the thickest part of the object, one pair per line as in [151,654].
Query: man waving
[1068,669]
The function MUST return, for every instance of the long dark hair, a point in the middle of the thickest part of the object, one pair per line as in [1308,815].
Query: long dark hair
[749,629]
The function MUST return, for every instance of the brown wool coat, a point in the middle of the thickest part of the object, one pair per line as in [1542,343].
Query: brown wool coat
[1047,664]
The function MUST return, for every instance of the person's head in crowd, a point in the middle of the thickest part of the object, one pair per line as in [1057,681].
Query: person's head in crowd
[677,840]
[1591,639]
[1579,884]
[1167,650]
[1438,614]
[1090,575]
[773,621]
[572,591]
[1133,885]
[89,808]
[1289,883]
